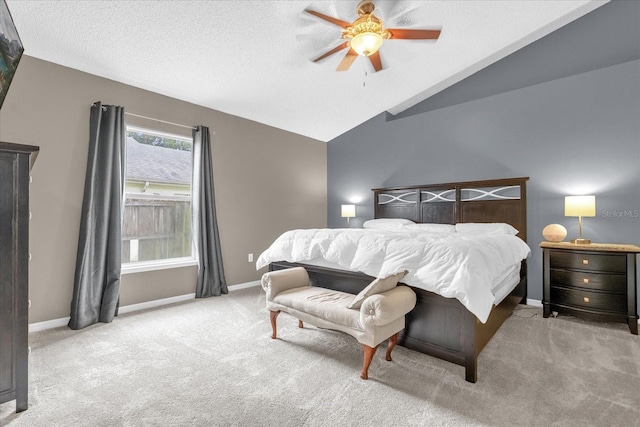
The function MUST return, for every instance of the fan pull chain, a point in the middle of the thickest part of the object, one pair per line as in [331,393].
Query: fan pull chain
[364,80]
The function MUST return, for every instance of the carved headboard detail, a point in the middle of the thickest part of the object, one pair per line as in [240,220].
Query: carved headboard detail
[496,200]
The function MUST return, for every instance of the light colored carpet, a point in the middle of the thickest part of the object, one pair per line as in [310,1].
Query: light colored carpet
[211,362]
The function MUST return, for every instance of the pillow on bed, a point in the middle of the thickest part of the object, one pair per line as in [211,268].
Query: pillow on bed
[378,286]
[432,228]
[387,223]
[486,228]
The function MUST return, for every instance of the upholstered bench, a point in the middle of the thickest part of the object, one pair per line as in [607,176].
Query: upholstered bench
[374,315]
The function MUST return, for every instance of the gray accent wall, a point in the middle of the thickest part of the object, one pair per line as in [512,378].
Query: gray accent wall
[577,134]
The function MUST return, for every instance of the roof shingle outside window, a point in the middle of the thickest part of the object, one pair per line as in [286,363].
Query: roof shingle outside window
[157,164]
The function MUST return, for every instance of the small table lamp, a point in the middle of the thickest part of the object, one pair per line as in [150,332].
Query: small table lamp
[348,211]
[580,206]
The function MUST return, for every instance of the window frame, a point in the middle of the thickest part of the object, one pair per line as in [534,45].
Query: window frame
[168,263]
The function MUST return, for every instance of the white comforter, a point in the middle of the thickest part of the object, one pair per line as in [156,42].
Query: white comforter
[454,265]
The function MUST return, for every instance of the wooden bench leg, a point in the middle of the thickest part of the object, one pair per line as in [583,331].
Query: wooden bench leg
[368,355]
[273,315]
[393,340]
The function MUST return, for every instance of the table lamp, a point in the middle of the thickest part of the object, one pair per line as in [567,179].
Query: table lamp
[580,206]
[348,211]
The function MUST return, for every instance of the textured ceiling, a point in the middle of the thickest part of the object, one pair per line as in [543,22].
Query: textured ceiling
[252,59]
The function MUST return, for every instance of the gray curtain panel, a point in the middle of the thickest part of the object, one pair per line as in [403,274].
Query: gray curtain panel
[211,280]
[96,285]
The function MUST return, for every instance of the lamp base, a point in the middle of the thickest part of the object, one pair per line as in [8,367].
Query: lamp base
[581,241]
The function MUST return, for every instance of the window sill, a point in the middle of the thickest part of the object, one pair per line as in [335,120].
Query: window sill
[140,267]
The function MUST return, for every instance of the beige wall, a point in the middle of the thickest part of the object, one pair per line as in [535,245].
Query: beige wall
[266,180]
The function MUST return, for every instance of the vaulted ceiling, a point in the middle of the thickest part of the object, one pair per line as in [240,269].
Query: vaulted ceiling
[253,59]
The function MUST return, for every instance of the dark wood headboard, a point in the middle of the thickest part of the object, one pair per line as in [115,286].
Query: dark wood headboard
[496,200]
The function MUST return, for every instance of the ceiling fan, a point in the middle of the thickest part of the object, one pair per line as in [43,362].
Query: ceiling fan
[365,35]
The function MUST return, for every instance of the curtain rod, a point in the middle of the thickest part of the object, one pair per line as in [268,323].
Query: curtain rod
[157,120]
[161,121]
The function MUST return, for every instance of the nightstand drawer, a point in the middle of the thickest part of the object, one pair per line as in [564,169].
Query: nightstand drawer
[592,300]
[612,263]
[616,283]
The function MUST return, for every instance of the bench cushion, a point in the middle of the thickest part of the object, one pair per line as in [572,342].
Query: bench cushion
[323,303]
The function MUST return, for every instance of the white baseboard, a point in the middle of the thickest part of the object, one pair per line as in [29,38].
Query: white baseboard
[48,324]
[244,285]
[64,321]
[155,303]
[534,302]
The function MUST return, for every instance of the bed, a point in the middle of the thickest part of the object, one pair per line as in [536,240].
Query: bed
[439,326]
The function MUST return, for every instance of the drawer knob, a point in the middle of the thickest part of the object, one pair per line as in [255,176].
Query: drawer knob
[585,299]
[585,280]
[585,261]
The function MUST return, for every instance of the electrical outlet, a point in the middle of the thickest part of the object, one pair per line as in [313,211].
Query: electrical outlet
[250,258]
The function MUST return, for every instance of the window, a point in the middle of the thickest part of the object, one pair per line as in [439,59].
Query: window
[156,230]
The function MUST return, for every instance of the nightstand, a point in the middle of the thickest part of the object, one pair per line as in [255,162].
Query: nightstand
[595,281]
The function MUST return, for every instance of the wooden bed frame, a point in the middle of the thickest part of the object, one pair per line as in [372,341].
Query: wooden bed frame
[439,326]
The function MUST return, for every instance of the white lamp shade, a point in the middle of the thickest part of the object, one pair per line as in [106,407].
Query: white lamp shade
[580,206]
[366,43]
[348,211]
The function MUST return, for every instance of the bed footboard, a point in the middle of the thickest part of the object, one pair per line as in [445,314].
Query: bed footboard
[444,328]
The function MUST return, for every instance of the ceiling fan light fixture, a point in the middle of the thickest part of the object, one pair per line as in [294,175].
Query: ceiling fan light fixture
[366,43]
[365,35]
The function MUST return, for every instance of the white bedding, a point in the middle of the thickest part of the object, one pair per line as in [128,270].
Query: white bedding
[454,265]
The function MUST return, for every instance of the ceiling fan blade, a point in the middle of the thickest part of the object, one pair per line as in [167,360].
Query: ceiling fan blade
[347,61]
[375,61]
[336,21]
[401,33]
[332,51]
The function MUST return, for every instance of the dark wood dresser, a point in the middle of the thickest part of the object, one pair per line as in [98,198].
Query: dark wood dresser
[595,281]
[15,163]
